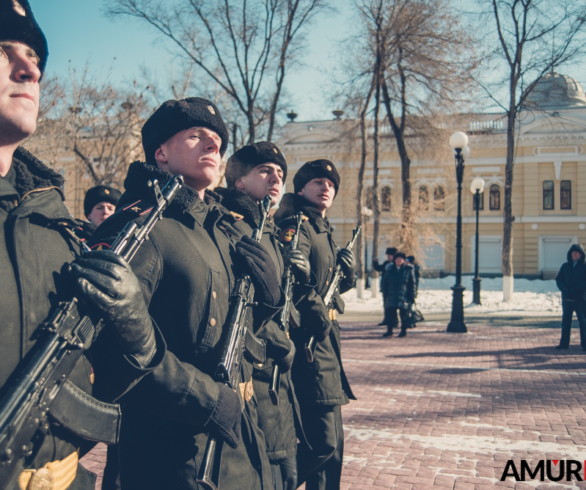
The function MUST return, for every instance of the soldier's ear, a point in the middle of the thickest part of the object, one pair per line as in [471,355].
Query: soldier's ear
[241,186]
[161,155]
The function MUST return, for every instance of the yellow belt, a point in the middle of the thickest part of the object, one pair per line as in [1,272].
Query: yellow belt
[57,475]
[333,314]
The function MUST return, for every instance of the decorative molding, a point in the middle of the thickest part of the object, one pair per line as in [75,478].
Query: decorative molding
[487,170]
[557,150]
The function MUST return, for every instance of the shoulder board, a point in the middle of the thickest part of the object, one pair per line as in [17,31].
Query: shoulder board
[237,216]
[304,218]
[139,207]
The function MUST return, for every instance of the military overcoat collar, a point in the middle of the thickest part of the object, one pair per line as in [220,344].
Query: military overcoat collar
[293,203]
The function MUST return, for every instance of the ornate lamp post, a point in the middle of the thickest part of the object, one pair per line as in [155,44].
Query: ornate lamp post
[459,142]
[476,188]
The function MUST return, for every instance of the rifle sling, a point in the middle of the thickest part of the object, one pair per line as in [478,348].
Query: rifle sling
[85,416]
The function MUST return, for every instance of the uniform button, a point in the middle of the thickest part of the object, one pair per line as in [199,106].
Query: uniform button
[214,294]
[330,269]
[327,282]
[213,322]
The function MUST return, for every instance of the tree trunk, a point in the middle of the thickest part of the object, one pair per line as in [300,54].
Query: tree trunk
[507,258]
[376,210]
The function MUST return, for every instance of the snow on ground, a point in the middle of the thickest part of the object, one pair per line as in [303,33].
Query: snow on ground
[531,298]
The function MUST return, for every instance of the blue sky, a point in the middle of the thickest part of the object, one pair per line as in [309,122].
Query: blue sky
[79,33]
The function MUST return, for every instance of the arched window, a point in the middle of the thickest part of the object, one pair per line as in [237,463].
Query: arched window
[368,195]
[548,194]
[566,194]
[495,198]
[385,198]
[438,198]
[423,198]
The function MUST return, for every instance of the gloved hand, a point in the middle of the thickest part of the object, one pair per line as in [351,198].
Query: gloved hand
[299,264]
[226,416]
[277,342]
[346,260]
[262,270]
[286,362]
[105,281]
[322,333]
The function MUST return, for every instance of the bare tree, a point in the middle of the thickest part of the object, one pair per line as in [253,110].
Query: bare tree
[532,37]
[243,46]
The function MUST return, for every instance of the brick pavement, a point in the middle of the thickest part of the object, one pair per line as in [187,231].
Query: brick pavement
[441,411]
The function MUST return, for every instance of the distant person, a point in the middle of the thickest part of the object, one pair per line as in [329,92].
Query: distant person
[390,251]
[416,269]
[571,281]
[399,291]
[100,203]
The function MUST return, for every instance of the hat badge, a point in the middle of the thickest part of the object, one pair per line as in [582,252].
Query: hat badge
[106,191]
[275,150]
[329,167]
[18,8]
[211,109]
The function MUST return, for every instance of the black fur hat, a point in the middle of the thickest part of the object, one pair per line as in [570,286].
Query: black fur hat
[391,251]
[98,194]
[399,254]
[176,115]
[17,23]
[250,156]
[316,169]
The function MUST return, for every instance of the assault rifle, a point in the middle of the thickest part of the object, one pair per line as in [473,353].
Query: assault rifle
[238,340]
[42,386]
[334,284]
[288,315]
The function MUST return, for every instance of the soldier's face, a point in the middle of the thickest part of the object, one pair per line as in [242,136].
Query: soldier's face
[262,180]
[193,153]
[101,212]
[19,91]
[399,261]
[320,192]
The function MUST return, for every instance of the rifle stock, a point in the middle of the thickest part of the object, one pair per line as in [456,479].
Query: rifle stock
[333,287]
[62,339]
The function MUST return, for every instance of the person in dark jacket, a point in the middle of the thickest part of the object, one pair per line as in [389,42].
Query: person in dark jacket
[100,203]
[571,281]
[381,268]
[410,259]
[187,271]
[321,386]
[399,291]
[36,249]
[253,172]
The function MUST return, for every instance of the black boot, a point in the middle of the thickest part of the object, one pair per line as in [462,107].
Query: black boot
[403,333]
[388,333]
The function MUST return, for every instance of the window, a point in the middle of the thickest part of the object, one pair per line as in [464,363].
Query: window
[369,200]
[495,198]
[385,198]
[480,202]
[438,198]
[566,194]
[548,194]
[423,198]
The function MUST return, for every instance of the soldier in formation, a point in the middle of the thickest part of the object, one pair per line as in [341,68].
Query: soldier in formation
[35,247]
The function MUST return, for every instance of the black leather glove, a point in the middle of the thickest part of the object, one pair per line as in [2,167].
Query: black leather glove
[277,342]
[286,362]
[322,333]
[346,260]
[225,419]
[105,281]
[262,270]
[299,264]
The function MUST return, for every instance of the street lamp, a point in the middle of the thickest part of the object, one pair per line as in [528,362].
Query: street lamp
[459,142]
[476,188]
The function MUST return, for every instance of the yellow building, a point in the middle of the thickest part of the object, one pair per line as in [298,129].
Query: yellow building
[549,184]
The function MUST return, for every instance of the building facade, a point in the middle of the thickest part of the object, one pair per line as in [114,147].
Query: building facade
[549,183]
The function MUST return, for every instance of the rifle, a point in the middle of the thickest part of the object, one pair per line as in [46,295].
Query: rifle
[338,276]
[239,339]
[61,342]
[288,314]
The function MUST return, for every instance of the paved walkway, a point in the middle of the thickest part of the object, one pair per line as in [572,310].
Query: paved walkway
[447,411]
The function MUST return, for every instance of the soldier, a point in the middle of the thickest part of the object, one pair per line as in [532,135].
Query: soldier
[35,247]
[321,386]
[187,271]
[251,173]
[100,203]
